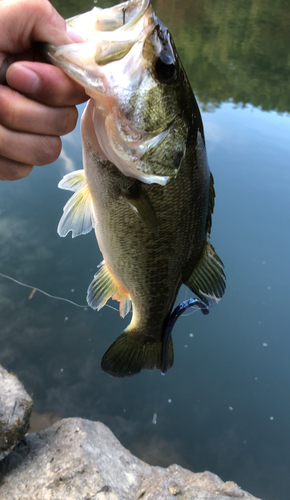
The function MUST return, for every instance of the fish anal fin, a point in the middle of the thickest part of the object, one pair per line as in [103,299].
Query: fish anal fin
[78,216]
[103,287]
[125,303]
[132,352]
[207,279]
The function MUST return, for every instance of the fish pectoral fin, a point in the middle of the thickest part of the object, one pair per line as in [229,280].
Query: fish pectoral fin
[103,287]
[78,216]
[140,203]
[207,279]
[73,181]
[132,352]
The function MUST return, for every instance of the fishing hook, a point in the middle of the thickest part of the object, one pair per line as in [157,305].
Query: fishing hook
[124,12]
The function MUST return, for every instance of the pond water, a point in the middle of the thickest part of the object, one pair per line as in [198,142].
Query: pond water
[225,405]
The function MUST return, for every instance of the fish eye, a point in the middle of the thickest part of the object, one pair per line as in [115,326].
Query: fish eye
[165,73]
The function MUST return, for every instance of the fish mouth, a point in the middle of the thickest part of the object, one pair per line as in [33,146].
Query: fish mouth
[111,64]
[121,17]
[108,36]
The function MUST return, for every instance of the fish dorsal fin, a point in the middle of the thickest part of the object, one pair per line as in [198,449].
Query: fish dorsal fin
[207,279]
[210,205]
[140,203]
[103,287]
[78,214]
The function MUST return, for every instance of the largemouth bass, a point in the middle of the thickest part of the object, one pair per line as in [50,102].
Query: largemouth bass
[146,187]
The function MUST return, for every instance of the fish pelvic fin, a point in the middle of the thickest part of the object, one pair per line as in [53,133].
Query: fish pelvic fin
[78,216]
[103,287]
[207,279]
[132,352]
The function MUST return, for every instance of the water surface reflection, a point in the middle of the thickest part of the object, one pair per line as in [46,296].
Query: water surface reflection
[225,405]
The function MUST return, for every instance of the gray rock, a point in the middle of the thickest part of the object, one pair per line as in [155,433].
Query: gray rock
[15,411]
[77,459]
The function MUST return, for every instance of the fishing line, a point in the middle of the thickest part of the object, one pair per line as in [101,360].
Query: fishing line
[195,310]
[191,312]
[48,294]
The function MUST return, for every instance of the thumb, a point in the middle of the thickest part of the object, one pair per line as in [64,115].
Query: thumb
[24,22]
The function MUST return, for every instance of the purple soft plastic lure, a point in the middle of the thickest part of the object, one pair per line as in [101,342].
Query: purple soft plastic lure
[171,322]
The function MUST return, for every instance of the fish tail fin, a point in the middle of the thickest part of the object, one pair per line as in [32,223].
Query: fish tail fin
[132,352]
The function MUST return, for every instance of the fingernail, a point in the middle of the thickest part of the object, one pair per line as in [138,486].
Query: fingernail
[22,79]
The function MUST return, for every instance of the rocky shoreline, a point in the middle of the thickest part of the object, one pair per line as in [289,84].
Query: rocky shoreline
[77,459]
[15,411]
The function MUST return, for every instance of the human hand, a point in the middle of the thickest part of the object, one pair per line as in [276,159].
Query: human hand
[37,100]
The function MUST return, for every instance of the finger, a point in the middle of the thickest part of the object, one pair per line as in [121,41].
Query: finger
[45,83]
[12,171]
[19,113]
[30,149]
